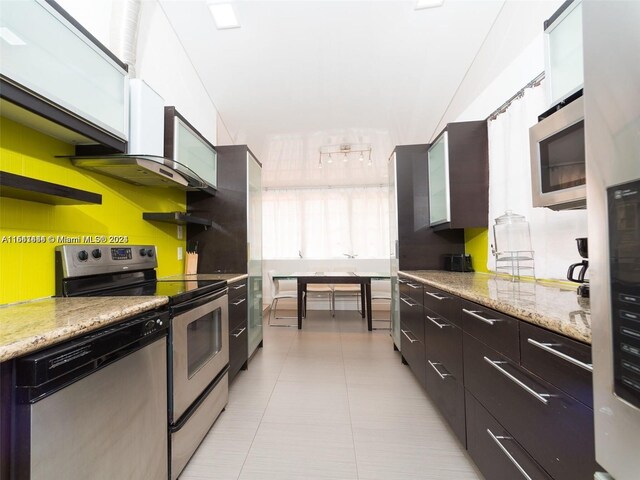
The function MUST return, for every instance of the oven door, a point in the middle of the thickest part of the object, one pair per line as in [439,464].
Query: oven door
[199,348]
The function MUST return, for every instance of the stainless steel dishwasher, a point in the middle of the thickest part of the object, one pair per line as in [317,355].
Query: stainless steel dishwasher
[96,406]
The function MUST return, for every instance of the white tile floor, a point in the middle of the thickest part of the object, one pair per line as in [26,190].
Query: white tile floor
[331,401]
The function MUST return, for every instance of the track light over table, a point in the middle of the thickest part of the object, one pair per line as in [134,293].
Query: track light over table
[346,151]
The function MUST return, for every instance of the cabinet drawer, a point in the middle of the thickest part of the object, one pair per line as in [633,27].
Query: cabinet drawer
[238,349]
[443,342]
[237,288]
[559,360]
[447,392]
[411,315]
[442,303]
[237,310]
[555,429]
[494,450]
[495,329]
[412,351]
[411,288]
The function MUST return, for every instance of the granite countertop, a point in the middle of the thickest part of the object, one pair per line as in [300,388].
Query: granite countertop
[30,326]
[552,305]
[229,277]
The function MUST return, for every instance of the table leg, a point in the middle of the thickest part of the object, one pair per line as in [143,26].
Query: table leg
[369,315]
[301,289]
[362,299]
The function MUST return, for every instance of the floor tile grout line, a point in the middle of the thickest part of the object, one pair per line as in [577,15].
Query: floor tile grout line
[275,384]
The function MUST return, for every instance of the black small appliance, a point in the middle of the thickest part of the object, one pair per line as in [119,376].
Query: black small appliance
[581,267]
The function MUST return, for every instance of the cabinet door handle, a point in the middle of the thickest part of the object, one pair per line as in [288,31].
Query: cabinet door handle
[547,348]
[443,376]
[401,280]
[508,455]
[538,396]
[412,285]
[435,295]
[239,333]
[239,301]
[404,332]
[474,314]
[240,286]
[410,304]
[439,325]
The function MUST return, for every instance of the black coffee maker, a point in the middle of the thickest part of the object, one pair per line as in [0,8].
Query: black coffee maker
[583,250]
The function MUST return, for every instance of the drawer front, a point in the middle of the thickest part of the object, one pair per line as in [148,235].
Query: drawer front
[492,328]
[555,429]
[443,341]
[442,303]
[411,288]
[447,392]
[238,349]
[494,450]
[237,310]
[237,288]
[559,360]
[412,316]
[412,351]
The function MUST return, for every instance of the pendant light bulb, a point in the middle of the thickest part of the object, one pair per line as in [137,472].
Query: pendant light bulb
[330,160]
[345,158]
[361,157]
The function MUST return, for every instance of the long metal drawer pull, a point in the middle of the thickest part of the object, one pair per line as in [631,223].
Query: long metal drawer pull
[413,286]
[435,295]
[547,348]
[410,304]
[474,314]
[506,452]
[239,302]
[239,333]
[439,325]
[443,376]
[404,332]
[239,287]
[520,383]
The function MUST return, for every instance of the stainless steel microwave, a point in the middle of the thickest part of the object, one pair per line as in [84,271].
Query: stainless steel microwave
[558,174]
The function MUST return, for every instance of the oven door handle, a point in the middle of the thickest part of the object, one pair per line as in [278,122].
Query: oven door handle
[197,302]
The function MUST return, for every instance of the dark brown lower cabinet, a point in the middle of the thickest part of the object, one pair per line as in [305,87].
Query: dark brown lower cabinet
[413,352]
[447,392]
[238,335]
[553,427]
[494,450]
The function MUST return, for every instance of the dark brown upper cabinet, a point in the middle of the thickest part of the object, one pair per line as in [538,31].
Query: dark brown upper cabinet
[57,78]
[458,172]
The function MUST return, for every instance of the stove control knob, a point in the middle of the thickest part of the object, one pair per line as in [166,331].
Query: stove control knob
[83,255]
[96,253]
[150,253]
[143,252]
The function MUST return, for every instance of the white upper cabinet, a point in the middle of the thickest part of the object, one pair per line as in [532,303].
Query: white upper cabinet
[46,53]
[563,59]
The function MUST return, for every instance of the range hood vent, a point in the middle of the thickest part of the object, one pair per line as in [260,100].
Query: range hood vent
[149,170]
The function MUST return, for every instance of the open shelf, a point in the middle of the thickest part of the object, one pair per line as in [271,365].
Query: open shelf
[32,190]
[179,218]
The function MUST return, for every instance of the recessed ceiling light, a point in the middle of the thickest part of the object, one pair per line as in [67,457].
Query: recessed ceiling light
[421,4]
[224,15]
[10,37]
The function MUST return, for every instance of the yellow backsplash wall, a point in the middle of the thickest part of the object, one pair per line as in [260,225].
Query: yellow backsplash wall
[27,269]
[476,244]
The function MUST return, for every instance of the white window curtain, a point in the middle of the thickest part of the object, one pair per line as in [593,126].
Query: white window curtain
[553,233]
[323,223]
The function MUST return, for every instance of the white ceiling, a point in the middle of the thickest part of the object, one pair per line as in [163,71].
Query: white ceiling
[331,70]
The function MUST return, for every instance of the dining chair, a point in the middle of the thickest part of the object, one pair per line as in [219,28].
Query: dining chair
[278,294]
[322,290]
[381,292]
[346,290]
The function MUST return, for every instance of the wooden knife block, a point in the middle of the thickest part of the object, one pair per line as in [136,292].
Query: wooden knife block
[191,264]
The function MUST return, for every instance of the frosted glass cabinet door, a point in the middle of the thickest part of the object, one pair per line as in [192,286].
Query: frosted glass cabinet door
[42,51]
[254,239]
[439,211]
[194,153]
[394,254]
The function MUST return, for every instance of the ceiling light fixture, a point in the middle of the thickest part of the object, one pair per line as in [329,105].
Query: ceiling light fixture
[224,15]
[347,150]
[10,37]
[422,4]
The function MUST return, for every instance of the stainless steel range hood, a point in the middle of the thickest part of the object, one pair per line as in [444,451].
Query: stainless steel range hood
[150,170]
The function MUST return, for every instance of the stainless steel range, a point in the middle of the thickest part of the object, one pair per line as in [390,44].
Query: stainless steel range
[198,347]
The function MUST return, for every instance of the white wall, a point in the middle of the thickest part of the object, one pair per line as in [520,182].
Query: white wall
[553,233]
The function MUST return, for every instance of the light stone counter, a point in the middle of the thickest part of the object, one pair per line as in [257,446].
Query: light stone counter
[30,326]
[229,277]
[552,305]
